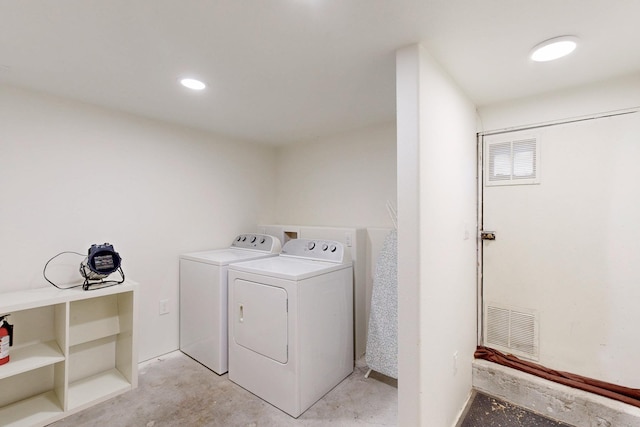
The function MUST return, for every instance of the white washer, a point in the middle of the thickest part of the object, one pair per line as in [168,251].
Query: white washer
[203,297]
[291,323]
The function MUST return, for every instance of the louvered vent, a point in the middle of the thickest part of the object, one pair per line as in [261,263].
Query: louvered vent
[512,162]
[500,161]
[524,159]
[512,331]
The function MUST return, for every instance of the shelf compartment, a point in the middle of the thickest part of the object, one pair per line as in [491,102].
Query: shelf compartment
[32,383]
[90,358]
[31,357]
[96,388]
[93,319]
[72,349]
[36,410]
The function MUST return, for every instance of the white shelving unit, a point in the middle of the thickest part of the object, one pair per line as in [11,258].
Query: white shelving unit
[72,349]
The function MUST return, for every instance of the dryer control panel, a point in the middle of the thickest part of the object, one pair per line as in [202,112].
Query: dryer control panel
[317,249]
[258,242]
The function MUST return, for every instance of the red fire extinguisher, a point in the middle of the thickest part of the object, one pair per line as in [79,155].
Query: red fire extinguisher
[6,339]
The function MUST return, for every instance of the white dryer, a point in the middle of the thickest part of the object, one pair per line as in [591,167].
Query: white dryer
[203,297]
[291,323]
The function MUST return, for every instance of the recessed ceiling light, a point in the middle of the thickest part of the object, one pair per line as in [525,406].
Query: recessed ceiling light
[554,48]
[192,84]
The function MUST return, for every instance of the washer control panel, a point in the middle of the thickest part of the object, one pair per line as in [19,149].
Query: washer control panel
[259,242]
[317,249]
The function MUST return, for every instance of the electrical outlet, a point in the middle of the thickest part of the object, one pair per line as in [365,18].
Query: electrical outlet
[347,239]
[164,306]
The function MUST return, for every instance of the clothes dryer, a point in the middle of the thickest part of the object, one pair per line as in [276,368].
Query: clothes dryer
[291,323]
[203,297]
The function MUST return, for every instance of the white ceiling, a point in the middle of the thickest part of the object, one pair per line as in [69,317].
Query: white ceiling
[285,71]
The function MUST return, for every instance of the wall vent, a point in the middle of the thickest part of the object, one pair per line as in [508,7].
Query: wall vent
[511,331]
[512,162]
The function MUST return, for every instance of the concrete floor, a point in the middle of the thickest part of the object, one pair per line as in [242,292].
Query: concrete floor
[488,411]
[174,390]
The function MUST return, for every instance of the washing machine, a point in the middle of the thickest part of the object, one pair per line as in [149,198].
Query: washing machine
[203,297]
[291,323]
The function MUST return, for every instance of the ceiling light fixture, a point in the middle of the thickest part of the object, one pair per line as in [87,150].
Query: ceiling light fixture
[192,84]
[554,48]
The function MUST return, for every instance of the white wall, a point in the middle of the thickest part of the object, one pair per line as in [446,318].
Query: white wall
[603,188]
[410,347]
[436,126]
[340,181]
[72,175]
[573,237]
[607,96]
[343,181]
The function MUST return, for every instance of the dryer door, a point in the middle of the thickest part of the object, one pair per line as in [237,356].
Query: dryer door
[260,319]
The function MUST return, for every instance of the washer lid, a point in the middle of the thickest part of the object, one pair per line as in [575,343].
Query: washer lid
[225,256]
[288,268]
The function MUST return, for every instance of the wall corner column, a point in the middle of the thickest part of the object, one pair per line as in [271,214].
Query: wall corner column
[408,145]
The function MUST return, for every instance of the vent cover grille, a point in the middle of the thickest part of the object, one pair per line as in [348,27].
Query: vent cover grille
[512,331]
[524,159]
[500,161]
[512,162]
